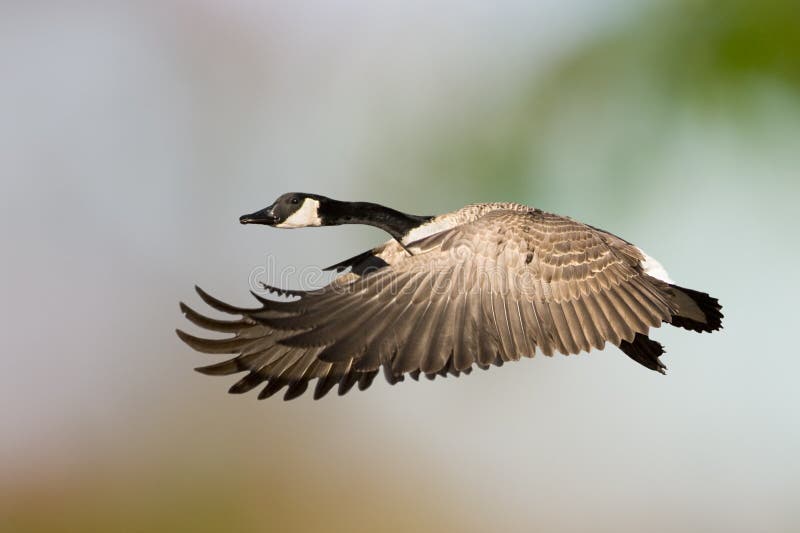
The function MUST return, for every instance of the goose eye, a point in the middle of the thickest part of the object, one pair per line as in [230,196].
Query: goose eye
[295,201]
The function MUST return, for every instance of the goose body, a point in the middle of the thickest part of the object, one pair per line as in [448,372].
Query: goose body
[484,285]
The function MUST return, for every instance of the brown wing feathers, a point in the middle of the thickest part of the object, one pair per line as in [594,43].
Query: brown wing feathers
[260,353]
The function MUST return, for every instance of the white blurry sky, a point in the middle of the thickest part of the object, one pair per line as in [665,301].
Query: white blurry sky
[133,135]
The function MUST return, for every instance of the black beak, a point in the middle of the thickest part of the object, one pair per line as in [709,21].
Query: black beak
[266,216]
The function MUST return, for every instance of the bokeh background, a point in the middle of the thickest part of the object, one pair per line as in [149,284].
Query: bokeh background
[133,134]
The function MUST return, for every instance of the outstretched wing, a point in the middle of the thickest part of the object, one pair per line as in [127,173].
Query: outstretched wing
[260,354]
[265,360]
[483,293]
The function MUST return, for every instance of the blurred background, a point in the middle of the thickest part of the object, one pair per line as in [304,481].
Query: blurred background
[133,134]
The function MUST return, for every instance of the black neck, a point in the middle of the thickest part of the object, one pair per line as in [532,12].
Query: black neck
[393,222]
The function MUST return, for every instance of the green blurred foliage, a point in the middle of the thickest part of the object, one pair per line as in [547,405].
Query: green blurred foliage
[706,49]
[714,57]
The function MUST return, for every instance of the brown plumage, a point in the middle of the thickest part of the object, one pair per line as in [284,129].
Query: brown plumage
[482,286]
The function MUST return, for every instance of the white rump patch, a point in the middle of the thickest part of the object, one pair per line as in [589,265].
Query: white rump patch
[307,215]
[654,268]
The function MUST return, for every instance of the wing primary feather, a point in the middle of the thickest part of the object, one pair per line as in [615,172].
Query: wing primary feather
[517,328]
[223,326]
[247,383]
[272,387]
[295,390]
[590,330]
[219,305]
[231,345]
[349,379]
[487,331]
[562,328]
[329,380]
[576,330]
[600,320]
[463,339]
[366,379]
[551,329]
[623,330]
[225,368]
[410,352]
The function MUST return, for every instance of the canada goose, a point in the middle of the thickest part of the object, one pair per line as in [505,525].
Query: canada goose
[483,285]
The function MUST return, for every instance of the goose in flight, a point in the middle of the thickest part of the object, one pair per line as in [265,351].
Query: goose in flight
[484,285]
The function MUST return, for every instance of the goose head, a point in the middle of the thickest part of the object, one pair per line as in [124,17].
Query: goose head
[302,210]
[291,210]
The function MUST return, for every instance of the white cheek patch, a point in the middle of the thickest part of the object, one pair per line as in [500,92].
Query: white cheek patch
[654,268]
[307,215]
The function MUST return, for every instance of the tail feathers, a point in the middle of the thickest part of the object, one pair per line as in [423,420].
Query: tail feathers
[697,311]
[644,351]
